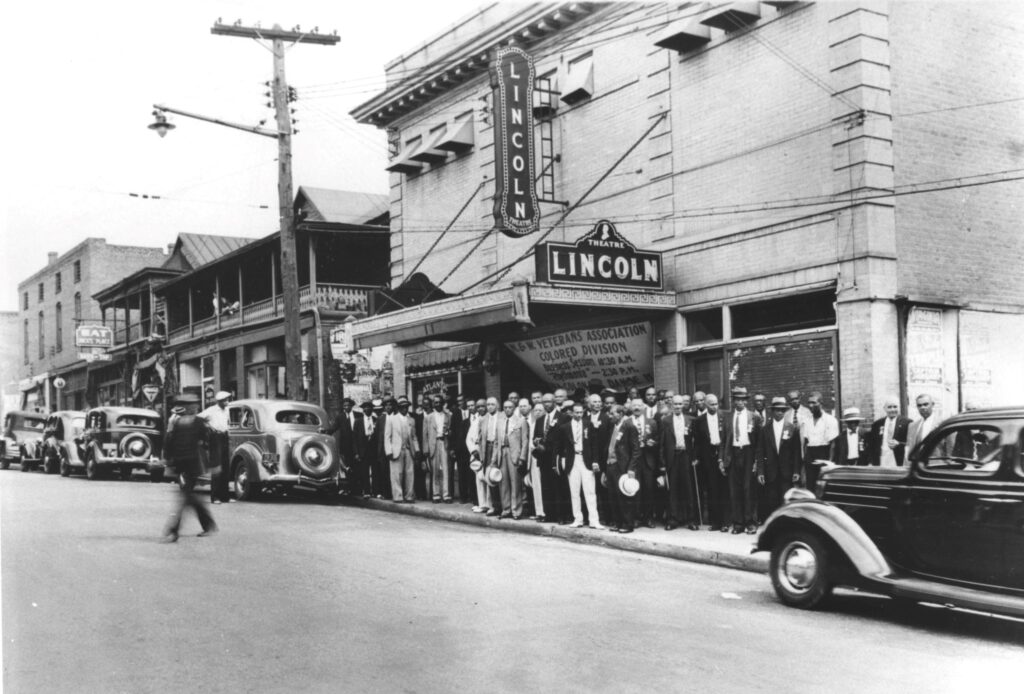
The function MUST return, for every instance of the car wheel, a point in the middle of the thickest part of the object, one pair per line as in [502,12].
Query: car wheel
[4,463]
[246,483]
[51,463]
[65,465]
[799,570]
[92,471]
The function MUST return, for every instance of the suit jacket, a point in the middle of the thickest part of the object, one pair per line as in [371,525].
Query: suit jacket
[710,454]
[782,461]
[551,438]
[430,438]
[352,441]
[914,432]
[459,431]
[840,455]
[567,444]
[518,443]
[877,433]
[628,448]
[668,439]
[754,423]
[651,432]
[595,445]
[396,436]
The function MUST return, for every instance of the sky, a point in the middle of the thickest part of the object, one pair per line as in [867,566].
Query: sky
[81,80]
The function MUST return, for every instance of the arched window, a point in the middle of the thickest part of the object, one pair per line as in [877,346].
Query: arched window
[59,333]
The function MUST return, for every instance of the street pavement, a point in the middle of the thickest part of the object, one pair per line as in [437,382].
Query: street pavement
[298,595]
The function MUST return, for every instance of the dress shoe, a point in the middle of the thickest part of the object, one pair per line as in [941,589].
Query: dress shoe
[492,513]
[477,509]
[541,519]
[233,500]
[505,516]
[576,525]
[212,530]
[692,526]
[435,500]
[447,501]
[650,523]
[670,526]
[216,501]
[724,528]
[514,517]
[614,528]
[714,528]
[624,531]
[736,530]
[596,526]
[751,530]
[169,537]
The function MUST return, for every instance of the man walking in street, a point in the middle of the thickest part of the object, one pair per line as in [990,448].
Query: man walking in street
[216,418]
[181,449]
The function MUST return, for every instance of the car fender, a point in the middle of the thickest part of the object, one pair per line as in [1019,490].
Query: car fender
[833,524]
[251,456]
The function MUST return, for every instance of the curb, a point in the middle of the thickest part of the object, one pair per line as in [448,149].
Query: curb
[731,560]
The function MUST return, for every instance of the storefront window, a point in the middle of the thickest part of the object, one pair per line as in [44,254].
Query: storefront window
[265,381]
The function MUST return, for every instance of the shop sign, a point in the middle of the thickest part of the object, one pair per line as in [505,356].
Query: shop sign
[94,336]
[600,258]
[619,357]
[150,392]
[516,211]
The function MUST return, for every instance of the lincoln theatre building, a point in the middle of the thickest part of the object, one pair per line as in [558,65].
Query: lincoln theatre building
[779,195]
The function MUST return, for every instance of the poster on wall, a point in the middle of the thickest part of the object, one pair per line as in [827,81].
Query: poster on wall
[925,356]
[619,357]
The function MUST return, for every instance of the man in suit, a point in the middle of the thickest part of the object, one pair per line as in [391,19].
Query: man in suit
[580,475]
[645,417]
[437,426]
[713,433]
[679,460]
[888,438]
[557,418]
[370,464]
[818,433]
[509,455]
[920,428]
[596,446]
[850,446]
[401,447]
[622,456]
[350,433]
[462,414]
[382,472]
[778,457]
[477,452]
[746,431]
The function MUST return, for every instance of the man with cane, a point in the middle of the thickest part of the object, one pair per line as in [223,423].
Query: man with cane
[677,444]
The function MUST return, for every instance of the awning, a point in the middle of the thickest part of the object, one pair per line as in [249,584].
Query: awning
[29,384]
[457,357]
[509,313]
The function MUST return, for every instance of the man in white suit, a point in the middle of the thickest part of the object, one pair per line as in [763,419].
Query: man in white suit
[401,447]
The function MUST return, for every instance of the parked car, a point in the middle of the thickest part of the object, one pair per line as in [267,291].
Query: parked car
[123,439]
[277,445]
[22,439]
[947,528]
[63,442]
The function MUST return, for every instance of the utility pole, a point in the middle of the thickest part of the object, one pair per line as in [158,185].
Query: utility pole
[289,253]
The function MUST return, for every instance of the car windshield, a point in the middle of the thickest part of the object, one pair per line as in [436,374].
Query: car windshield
[297,417]
[130,420]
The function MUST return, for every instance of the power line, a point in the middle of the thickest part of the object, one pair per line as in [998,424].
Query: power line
[957,108]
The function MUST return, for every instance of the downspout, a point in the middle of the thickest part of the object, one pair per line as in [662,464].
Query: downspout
[319,354]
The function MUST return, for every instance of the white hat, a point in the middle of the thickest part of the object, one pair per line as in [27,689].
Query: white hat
[629,486]
[661,481]
[475,465]
[494,475]
[852,414]
[222,395]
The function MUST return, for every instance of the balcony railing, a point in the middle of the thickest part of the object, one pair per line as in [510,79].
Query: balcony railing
[335,297]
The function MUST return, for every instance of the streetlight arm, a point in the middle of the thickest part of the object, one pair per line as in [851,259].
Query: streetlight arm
[238,126]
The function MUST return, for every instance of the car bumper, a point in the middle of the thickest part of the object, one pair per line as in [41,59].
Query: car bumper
[301,481]
[149,464]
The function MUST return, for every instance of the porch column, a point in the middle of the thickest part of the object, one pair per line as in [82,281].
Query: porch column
[241,297]
[216,299]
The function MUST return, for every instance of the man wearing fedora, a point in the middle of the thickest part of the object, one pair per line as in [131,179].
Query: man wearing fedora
[712,437]
[437,426]
[778,458]
[622,458]
[746,432]
[509,456]
[850,444]
[181,449]
[888,438]
[401,448]
[216,418]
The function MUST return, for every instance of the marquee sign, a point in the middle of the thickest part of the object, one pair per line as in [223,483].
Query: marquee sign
[600,258]
[516,212]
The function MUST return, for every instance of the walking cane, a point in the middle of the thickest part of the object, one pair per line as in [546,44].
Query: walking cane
[696,488]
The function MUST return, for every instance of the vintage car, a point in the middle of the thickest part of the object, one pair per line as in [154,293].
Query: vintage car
[279,445]
[22,439]
[947,528]
[63,442]
[123,439]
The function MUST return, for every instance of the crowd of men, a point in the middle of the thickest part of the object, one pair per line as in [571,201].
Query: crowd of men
[615,462]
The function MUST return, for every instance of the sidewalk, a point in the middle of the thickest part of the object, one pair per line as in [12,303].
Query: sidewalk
[701,546]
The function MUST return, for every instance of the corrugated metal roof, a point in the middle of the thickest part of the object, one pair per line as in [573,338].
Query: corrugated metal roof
[200,249]
[341,206]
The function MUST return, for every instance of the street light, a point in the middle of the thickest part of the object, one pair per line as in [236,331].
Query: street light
[160,124]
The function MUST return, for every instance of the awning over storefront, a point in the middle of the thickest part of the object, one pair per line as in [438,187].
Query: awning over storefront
[458,357]
[510,313]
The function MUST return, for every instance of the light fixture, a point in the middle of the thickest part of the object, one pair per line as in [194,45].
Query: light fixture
[160,124]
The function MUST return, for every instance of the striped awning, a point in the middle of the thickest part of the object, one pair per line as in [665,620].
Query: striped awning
[457,357]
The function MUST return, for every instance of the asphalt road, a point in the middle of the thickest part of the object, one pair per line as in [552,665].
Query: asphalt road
[294,595]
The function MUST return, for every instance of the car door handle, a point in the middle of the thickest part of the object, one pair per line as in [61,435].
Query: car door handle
[989,500]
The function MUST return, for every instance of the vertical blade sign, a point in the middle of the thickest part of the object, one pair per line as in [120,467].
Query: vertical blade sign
[516,212]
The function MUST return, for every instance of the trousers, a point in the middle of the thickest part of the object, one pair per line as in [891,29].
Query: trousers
[402,471]
[581,478]
[682,497]
[622,508]
[741,486]
[219,467]
[438,463]
[189,499]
